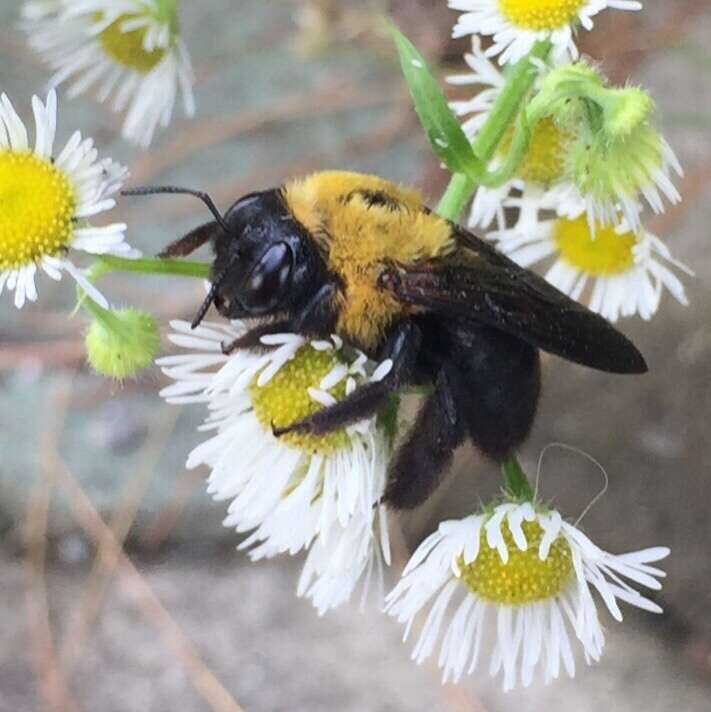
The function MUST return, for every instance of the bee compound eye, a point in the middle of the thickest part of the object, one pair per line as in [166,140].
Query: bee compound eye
[269,278]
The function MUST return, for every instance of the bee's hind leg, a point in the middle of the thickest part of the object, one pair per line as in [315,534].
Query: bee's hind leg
[402,348]
[423,458]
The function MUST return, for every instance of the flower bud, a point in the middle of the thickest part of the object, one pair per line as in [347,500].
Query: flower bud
[122,342]
[626,110]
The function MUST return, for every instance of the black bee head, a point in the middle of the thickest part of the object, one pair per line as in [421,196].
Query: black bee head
[265,262]
[254,262]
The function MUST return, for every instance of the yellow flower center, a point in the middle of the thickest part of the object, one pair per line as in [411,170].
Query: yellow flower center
[285,400]
[126,48]
[603,253]
[540,14]
[545,161]
[524,578]
[37,204]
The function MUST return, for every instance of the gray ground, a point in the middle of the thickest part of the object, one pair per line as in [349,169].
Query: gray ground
[343,108]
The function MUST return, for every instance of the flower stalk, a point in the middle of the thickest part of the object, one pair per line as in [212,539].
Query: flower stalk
[168,13]
[500,118]
[516,482]
[151,265]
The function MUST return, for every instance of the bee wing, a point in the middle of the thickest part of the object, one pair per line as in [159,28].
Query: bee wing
[479,283]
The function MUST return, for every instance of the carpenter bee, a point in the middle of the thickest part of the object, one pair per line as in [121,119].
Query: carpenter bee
[360,257]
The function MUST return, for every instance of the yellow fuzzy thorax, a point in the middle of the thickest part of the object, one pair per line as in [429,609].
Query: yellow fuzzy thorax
[360,238]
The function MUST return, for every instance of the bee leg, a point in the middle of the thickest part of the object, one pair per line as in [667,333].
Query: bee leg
[423,458]
[190,242]
[252,339]
[315,317]
[402,348]
[318,314]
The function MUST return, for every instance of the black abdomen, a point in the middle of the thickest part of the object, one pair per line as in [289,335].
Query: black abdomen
[485,386]
[495,379]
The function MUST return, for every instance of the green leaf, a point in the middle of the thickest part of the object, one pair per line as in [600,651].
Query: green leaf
[442,127]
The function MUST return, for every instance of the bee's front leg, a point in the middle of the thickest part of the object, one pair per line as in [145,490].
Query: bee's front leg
[318,315]
[189,243]
[252,339]
[315,317]
[402,348]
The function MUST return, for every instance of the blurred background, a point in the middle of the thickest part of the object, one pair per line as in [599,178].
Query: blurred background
[119,588]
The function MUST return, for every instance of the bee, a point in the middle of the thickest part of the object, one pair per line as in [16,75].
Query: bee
[361,257]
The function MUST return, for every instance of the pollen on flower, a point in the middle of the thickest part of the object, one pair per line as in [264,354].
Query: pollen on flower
[285,399]
[540,14]
[545,161]
[525,578]
[38,204]
[604,253]
[126,48]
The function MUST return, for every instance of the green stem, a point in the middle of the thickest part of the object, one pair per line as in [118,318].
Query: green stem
[151,265]
[455,197]
[501,116]
[519,148]
[515,481]
[107,317]
[505,109]
[167,9]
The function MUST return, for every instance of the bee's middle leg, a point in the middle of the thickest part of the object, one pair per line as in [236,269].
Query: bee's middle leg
[402,348]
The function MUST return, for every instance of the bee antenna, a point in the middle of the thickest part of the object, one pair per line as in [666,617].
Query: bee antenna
[210,298]
[158,189]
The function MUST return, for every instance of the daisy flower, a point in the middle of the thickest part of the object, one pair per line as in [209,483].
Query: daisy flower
[516,25]
[613,174]
[525,576]
[130,50]
[296,489]
[626,271]
[568,169]
[543,167]
[48,198]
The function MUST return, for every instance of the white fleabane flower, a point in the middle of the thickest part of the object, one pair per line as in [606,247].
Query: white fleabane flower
[610,175]
[567,169]
[623,273]
[298,489]
[130,50]
[516,25]
[544,165]
[48,198]
[527,577]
